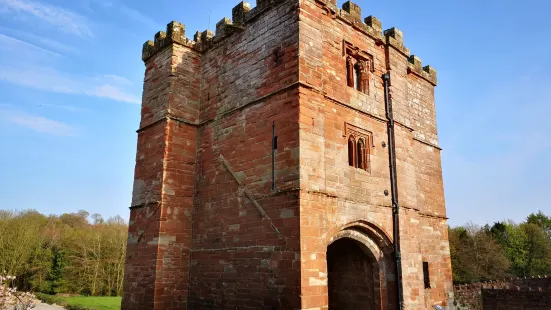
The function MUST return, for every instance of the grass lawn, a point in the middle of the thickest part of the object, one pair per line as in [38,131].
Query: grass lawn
[83,302]
[100,303]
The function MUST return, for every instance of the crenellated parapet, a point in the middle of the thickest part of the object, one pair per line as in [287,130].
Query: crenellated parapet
[427,72]
[243,14]
[395,38]
[470,294]
[351,14]
[240,12]
[175,33]
[202,41]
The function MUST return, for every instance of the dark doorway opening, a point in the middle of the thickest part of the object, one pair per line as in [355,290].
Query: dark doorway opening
[353,276]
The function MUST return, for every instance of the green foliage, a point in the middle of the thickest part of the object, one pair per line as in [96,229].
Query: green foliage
[513,240]
[64,254]
[476,255]
[538,250]
[505,249]
[55,281]
[49,299]
[542,221]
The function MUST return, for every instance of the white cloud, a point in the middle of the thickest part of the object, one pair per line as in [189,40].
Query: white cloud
[63,19]
[55,45]
[17,46]
[111,78]
[130,13]
[48,79]
[138,16]
[65,107]
[113,92]
[38,41]
[39,124]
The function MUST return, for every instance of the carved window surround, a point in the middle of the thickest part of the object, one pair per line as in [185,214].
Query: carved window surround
[349,49]
[360,142]
[359,67]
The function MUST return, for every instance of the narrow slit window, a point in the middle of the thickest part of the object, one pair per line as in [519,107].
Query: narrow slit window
[357,76]
[426,274]
[367,153]
[360,156]
[351,152]
[350,72]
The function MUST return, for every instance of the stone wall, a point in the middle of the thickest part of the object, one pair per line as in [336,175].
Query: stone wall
[208,231]
[337,195]
[469,296]
[496,294]
[245,242]
[495,299]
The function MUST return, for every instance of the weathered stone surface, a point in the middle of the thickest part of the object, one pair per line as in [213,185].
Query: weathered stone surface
[208,231]
[353,9]
[239,12]
[519,293]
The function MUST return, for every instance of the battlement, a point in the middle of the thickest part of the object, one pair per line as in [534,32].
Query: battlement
[526,283]
[470,293]
[202,41]
[371,26]
[242,14]
[415,66]
[175,33]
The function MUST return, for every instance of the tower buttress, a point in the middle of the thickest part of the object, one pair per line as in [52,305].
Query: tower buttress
[160,231]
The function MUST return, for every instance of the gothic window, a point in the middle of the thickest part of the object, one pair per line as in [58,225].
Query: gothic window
[351,151]
[364,75]
[357,76]
[359,145]
[361,154]
[359,66]
[350,71]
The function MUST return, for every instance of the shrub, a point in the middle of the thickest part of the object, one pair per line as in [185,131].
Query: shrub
[10,298]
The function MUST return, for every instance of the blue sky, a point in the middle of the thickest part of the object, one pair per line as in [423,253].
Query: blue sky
[71,75]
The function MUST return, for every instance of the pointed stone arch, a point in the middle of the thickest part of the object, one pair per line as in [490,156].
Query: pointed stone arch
[372,273]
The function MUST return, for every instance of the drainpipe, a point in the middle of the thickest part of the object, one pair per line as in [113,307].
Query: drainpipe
[274,148]
[394,191]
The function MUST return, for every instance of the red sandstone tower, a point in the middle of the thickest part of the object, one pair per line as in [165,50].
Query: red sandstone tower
[290,161]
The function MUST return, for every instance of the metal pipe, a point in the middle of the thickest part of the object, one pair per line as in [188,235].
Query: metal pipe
[394,191]
[274,147]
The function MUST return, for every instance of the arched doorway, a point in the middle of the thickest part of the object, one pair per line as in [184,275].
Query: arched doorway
[360,269]
[352,277]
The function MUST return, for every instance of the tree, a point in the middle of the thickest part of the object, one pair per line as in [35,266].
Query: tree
[476,255]
[538,250]
[542,221]
[512,239]
[64,254]
[20,240]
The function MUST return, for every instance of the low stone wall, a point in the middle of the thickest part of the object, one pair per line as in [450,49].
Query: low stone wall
[470,296]
[533,283]
[516,299]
